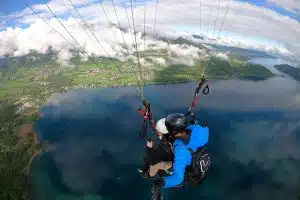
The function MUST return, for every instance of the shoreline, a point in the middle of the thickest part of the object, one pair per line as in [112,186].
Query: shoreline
[28,193]
[28,177]
[243,78]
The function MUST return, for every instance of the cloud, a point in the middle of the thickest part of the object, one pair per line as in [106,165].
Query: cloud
[268,30]
[90,148]
[2,25]
[271,144]
[289,5]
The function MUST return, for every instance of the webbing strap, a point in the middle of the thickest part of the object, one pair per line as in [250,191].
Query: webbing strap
[147,115]
[201,83]
[205,91]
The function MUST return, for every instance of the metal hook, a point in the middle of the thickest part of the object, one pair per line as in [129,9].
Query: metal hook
[205,90]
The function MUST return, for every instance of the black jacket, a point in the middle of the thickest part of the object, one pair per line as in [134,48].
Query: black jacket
[161,152]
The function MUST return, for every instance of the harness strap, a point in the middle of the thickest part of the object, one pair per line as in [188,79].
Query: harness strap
[190,177]
[200,150]
[205,91]
[147,115]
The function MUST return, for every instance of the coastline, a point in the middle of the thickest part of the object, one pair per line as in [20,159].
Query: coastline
[245,78]
[27,130]
[28,176]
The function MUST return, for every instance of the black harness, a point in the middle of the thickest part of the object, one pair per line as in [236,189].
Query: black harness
[200,165]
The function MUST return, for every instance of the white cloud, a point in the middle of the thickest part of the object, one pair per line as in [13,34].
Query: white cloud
[2,25]
[254,27]
[270,144]
[289,5]
[222,55]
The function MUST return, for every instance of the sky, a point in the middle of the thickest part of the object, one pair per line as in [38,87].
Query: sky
[270,25]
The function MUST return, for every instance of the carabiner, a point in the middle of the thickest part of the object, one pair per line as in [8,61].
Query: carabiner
[205,90]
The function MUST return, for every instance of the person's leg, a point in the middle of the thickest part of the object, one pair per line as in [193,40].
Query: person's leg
[159,166]
[156,193]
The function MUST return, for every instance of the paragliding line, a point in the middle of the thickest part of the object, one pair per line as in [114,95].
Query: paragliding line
[236,16]
[78,23]
[146,110]
[225,16]
[140,91]
[109,24]
[128,19]
[52,27]
[208,22]
[65,28]
[89,57]
[145,27]
[136,77]
[120,26]
[89,28]
[216,18]
[136,47]
[155,16]
[200,15]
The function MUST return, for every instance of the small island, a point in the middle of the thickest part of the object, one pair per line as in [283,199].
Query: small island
[290,70]
[27,82]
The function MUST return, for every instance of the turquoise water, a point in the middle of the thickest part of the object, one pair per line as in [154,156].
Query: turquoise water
[95,148]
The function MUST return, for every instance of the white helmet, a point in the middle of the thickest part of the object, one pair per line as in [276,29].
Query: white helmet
[161,127]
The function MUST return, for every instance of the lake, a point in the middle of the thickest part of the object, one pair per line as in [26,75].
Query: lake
[95,148]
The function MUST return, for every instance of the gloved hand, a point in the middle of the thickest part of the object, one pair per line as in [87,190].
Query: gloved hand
[157,184]
[149,143]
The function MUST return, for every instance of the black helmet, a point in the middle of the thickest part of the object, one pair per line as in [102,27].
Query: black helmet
[176,123]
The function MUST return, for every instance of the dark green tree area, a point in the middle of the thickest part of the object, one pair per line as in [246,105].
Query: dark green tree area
[213,68]
[236,68]
[18,147]
[290,70]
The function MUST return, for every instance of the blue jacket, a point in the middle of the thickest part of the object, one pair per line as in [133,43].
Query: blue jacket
[182,157]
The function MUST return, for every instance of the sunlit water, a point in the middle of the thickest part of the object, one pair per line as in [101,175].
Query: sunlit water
[96,151]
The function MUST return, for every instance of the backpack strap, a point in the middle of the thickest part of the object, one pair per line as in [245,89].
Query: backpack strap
[200,149]
[191,151]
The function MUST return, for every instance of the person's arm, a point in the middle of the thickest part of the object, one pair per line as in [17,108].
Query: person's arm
[181,159]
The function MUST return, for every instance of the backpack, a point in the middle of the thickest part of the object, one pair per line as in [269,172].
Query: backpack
[200,164]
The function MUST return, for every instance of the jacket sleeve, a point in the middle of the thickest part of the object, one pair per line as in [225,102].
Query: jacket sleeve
[181,160]
[201,134]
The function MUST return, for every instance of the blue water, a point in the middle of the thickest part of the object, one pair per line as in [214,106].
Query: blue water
[95,151]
